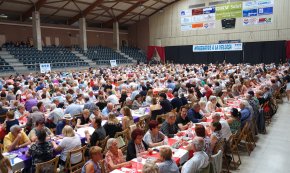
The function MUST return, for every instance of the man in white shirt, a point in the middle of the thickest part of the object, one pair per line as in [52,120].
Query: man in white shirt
[226,130]
[200,159]
[112,98]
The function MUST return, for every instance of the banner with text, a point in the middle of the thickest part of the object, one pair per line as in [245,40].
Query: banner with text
[44,68]
[230,10]
[218,47]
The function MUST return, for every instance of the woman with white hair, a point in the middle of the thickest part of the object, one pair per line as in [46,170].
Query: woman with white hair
[203,111]
[114,158]
[211,104]
[150,167]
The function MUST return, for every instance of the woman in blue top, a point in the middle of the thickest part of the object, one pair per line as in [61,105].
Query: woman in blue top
[93,164]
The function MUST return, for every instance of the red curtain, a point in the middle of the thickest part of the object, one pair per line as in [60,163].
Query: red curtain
[288,49]
[159,50]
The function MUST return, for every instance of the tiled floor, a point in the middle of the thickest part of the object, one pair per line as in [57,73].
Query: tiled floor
[272,154]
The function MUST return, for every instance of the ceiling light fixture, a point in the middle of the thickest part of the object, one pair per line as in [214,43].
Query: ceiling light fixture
[142,6]
[3,16]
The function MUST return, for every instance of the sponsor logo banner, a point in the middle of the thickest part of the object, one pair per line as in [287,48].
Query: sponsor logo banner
[265,11]
[185,13]
[230,10]
[218,47]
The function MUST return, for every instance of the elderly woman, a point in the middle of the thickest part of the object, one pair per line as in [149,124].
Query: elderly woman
[167,165]
[41,151]
[84,120]
[150,167]
[112,126]
[153,136]
[93,165]
[114,158]
[211,104]
[69,142]
[136,146]
[216,134]
[203,111]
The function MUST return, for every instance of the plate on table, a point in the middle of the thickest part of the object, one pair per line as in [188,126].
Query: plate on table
[10,155]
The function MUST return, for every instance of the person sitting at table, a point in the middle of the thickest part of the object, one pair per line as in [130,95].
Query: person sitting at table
[136,145]
[234,120]
[153,137]
[39,125]
[149,97]
[10,121]
[55,118]
[15,139]
[216,135]
[93,165]
[112,126]
[137,103]
[41,151]
[245,113]
[226,130]
[33,117]
[167,165]
[98,134]
[211,104]
[114,158]
[182,120]
[201,132]
[69,142]
[150,167]
[101,102]
[30,102]
[155,109]
[41,107]
[73,108]
[200,159]
[203,111]
[208,91]
[169,127]
[127,119]
[96,113]
[165,104]
[176,102]
[109,108]
[194,115]
[84,120]
[183,99]
[20,112]
[89,104]
[3,112]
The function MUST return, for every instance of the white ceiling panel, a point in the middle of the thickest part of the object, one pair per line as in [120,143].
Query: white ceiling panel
[46,10]
[109,4]
[123,6]
[66,13]
[57,4]
[149,3]
[89,1]
[14,7]
[148,12]
[158,5]
[101,18]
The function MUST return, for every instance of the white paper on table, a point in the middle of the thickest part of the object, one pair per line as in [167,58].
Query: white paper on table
[81,131]
[117,171]
[18,164]
[143,161]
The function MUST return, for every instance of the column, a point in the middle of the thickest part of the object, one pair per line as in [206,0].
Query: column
[83,34]
[116,36]
[36,30]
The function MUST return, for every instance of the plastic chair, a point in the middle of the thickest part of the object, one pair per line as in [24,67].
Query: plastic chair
[73,167]
[217,162]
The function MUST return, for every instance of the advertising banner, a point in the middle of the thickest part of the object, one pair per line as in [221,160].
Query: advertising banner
[250,12]
[185,13]
[217,47]
[186,20]
[230,10]
[257,20]
[265,11]
[209,10]
[44,68]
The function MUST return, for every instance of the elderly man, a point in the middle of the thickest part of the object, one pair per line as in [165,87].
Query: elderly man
[15,139]
[30,102]
[89,104]
[73,109]
[226,130]
[56,117]
[108,109]
[199,161]
[245,113]
[167,165]
[169,127]
[36,115]
[194,115]
[20,112]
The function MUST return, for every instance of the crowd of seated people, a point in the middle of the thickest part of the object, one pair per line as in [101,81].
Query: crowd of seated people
[105,98]
[18,44]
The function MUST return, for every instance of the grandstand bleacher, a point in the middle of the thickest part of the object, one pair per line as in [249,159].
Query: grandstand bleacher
[134,53]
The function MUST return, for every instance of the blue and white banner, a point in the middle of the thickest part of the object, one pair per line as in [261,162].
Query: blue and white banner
[217,47]
[44,68]
[113,63]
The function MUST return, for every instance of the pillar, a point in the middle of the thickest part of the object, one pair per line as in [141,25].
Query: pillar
[116,36]
[36,30]
[83,34]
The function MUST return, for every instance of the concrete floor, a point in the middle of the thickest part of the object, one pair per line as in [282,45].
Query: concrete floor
[272,154]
